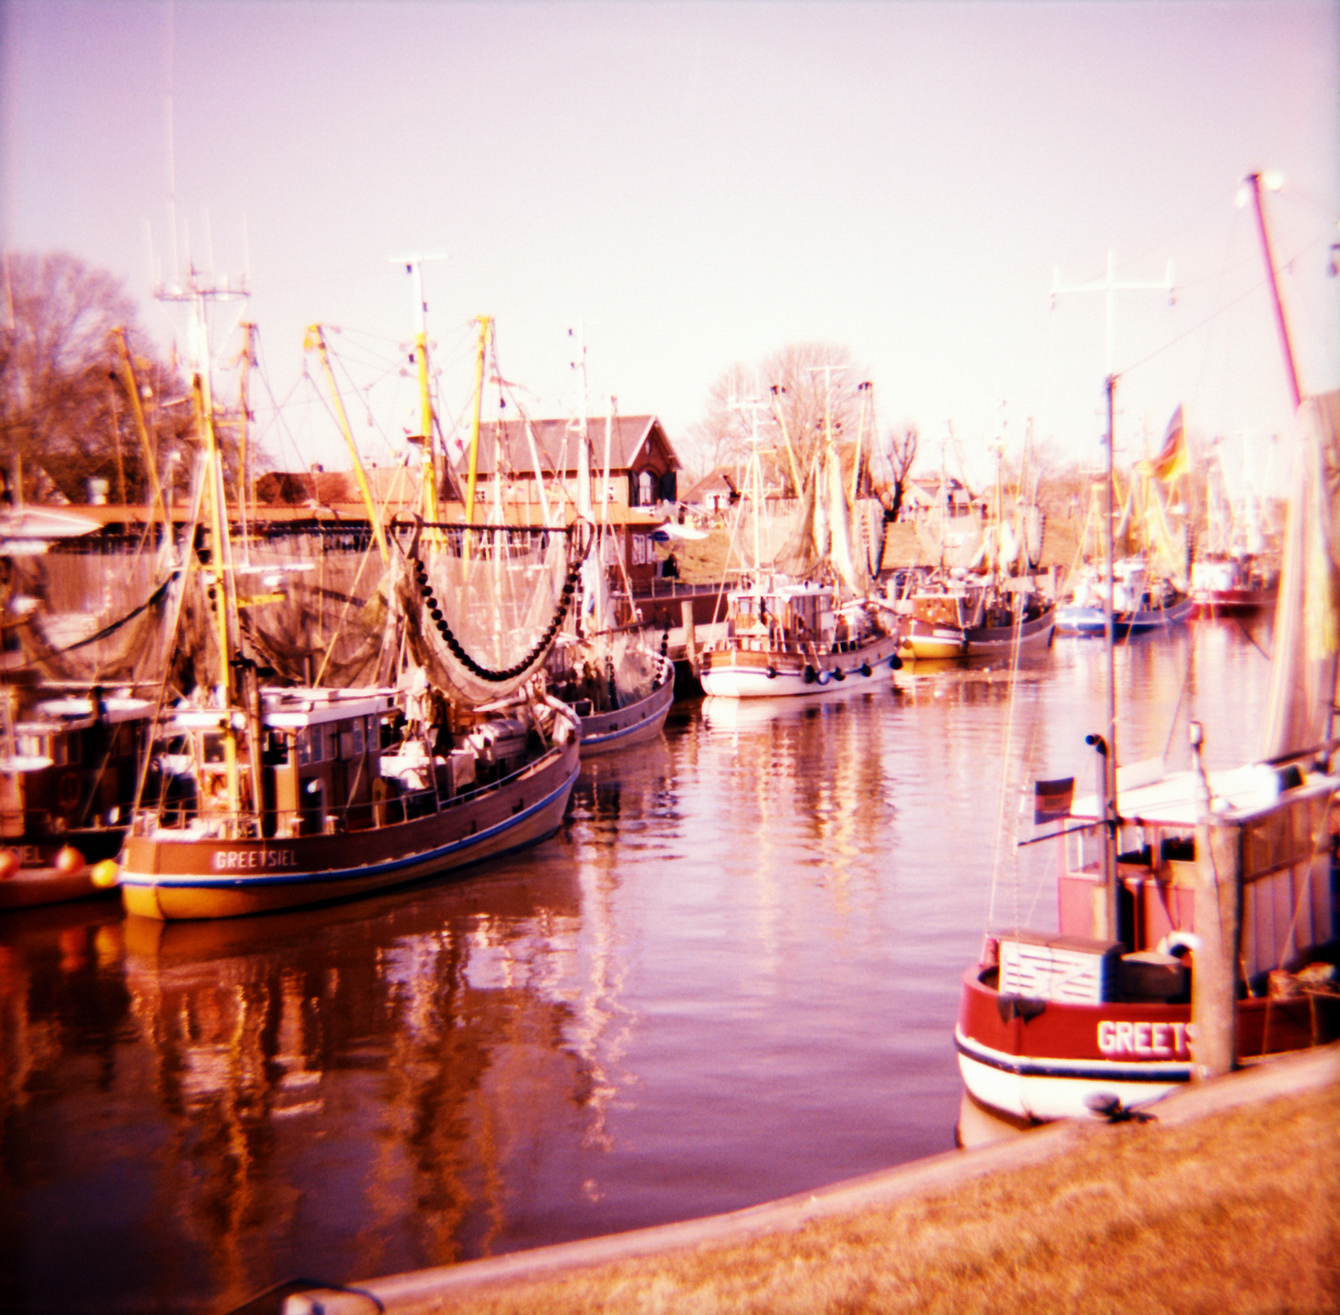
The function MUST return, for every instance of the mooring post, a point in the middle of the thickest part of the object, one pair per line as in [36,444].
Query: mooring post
[1214,977]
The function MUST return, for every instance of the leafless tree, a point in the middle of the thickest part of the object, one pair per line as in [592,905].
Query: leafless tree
[893,467]
[65,415]
[798,386]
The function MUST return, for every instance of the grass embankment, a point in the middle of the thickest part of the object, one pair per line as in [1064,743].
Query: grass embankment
[1229,1202]
[705,561]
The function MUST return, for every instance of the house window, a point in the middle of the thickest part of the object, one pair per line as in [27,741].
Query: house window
[646,488]
[639,550]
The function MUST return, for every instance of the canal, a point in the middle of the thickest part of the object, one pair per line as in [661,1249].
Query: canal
[733,975]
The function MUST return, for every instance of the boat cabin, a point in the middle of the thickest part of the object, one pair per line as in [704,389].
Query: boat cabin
[70,763]
[786,618]
[1281,817]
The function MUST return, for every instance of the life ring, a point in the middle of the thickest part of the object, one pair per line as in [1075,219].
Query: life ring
[67,792]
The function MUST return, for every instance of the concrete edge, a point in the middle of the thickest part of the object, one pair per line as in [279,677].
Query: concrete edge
[1287,1075]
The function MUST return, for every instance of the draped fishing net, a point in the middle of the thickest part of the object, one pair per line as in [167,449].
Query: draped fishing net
[315,604]
[482,605]
[95,609]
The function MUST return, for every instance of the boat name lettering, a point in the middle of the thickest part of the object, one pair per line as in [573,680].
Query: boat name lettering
[1145,1040]
[226,860]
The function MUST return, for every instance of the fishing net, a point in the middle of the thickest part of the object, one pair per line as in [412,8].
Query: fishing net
[92,609]
[315,605]
[482,605]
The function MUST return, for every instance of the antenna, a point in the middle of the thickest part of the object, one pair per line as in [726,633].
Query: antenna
[1109,285]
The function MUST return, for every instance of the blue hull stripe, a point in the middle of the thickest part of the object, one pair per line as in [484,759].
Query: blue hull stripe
[425,858]
[1078,1069]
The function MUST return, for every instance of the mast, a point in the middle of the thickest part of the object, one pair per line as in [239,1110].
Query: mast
[485,323]
[1291,368]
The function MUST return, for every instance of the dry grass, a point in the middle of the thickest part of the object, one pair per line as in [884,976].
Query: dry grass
[1237,1212]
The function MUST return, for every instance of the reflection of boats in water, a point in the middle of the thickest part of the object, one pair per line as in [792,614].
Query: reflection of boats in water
[1196,912]
[67,784]
[1229,586]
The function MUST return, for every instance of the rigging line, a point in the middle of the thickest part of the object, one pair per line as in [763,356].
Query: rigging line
[1181,693]
[1217,313]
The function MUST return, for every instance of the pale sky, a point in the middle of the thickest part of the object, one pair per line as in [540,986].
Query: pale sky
[702,184]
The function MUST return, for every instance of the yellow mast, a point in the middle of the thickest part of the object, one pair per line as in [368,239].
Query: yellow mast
[141,428]
[316,338]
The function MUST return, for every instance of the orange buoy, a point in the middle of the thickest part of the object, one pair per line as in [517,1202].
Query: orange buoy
[9,864]
[106,874]
[69,861]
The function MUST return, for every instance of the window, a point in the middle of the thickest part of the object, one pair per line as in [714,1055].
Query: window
[646,488]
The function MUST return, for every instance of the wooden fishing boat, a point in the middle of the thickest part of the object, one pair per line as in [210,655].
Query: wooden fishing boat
[962,620]
[1057,1025]
[346,804]
[67,783]
[610,718]
[788,638]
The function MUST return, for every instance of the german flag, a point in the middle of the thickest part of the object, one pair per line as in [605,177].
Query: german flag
[1173,459]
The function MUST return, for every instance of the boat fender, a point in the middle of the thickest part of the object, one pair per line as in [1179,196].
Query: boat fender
[772,673]
[839,674]
[824,677]
[67,792]
[895,663]
[810,675]
[9,864]
[865,670]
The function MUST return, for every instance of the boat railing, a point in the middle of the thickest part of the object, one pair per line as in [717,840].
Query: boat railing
[391,803]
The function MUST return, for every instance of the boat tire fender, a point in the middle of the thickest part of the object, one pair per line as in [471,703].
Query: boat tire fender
[839,674]
[895,663]
[865,670]
[772,673]
[824,677]
[810,675]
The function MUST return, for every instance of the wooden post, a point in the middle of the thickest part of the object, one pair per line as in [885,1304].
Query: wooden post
[690,639]
[1214,977]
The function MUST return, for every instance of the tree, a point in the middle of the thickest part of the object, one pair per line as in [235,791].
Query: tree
[799,386]
[893,468]
[65,416]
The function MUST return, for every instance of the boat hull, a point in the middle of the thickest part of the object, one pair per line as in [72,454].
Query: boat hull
[1090,621]
[171,875]
[1230,602]
[925,640]
[603,732]
[39,881]
[1040,1061]
[746,673]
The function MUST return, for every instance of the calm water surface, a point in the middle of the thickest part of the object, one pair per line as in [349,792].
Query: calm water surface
[732,976]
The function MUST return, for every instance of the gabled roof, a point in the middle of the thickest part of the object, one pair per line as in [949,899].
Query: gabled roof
[556,442]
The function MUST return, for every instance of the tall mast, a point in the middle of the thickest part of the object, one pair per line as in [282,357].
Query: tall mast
[485,323]
[1291,368]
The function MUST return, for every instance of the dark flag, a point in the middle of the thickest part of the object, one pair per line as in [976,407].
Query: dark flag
[1051,799]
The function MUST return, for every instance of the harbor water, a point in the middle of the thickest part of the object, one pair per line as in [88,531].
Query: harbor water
[733,975]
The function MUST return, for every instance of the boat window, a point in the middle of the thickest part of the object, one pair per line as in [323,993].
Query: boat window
[211,747]
[330,741]
[351,738]
[32,746]
[309,745]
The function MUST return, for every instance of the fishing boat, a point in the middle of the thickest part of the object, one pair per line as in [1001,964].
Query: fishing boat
[795,638]
[257,797]
[620,702]
[67,783]
[1229,586]
[1196,910]
[1140,603]
[806,616]
[962,619]
[349,798]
